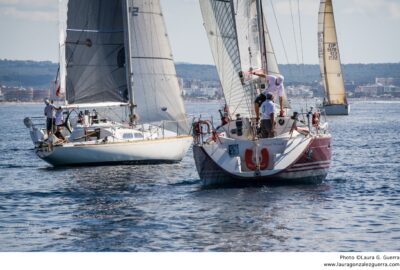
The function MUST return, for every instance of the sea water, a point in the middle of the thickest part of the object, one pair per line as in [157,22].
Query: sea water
[164,207]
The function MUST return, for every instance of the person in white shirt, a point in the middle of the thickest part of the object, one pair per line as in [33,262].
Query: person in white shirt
[49,112]
[275,87]
[267,125]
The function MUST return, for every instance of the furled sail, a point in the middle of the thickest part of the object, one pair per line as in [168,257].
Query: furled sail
[329,58]
[92,62]
[155,86]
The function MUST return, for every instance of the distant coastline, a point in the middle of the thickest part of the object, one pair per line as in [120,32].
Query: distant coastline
[193,101]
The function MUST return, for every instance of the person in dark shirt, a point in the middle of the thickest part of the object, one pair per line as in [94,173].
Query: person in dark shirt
[259,100]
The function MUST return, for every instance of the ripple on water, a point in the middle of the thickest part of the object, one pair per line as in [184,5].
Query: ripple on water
[163,208]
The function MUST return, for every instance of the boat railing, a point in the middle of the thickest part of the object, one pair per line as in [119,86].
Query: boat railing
[161,129]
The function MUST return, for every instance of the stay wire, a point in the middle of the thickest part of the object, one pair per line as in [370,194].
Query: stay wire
[301,38]
[294,32]
[280,33]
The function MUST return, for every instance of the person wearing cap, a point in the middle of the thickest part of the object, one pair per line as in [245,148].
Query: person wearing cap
[267,125]
[275,87]
[49,112]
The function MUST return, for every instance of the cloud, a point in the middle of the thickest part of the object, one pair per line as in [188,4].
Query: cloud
[380,8]
[29,2]
[28,10]
[34,15]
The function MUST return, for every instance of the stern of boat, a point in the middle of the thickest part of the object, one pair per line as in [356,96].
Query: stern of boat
[296,155]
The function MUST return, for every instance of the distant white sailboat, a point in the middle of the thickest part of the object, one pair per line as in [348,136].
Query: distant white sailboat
[234,152]
[335,102]
[115,62]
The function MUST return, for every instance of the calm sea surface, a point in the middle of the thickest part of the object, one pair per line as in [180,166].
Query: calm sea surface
[164,208]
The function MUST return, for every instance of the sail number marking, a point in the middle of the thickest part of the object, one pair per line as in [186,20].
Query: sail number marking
[134,11]
[333,51]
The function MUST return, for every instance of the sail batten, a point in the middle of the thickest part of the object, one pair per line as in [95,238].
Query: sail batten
[328,52]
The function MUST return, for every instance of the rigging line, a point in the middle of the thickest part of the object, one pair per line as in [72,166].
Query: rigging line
[294,31]
[301,36]
[280,33]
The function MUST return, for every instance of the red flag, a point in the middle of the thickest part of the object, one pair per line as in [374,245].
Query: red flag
[58,91]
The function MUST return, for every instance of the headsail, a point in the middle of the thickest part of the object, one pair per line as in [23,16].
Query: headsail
[155,85]
[234,36]
[220,25]
[92,51]
[329,57]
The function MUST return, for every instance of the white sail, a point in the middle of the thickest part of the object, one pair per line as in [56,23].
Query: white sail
[329,57]
[219,22]
[234,36]
[62,25]
[248,35]
[155,87]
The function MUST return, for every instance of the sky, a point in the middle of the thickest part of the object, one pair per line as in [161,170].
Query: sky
[368,30]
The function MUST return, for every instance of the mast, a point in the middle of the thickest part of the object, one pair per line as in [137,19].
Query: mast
[127,13]
[260,20]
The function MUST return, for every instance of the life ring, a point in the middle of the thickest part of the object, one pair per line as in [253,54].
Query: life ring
[248,158]
[198,127]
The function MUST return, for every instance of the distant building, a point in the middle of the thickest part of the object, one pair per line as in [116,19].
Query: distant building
[391,91]
[370,90]
[383,87]
[388,81]
[17,94]
[299,91]
[40,94]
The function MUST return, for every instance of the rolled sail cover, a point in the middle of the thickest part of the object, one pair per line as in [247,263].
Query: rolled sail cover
[93,53]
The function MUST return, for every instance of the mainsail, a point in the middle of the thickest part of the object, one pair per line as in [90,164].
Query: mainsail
[92,62]
[118,51]
[234,36]
[328,52]
[155,86]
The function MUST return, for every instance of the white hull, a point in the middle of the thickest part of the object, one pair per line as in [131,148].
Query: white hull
[336,109]
[146,151]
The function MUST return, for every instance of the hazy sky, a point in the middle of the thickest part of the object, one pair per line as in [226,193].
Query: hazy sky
[368,30]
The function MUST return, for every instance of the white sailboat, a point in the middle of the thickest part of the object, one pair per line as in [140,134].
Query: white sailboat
[234,153]
[115,63]
[335,102]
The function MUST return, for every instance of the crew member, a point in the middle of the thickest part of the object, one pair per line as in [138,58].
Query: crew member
[267,125]
[275,87]
[49,112]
